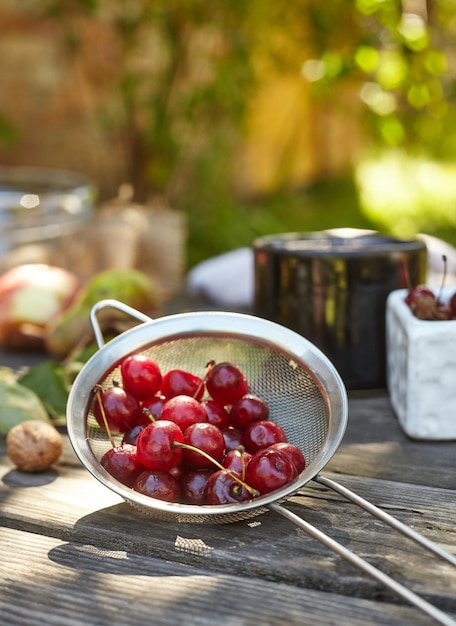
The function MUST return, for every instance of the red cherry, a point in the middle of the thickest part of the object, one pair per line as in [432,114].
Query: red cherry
[226,383]
[176,382]
[269,470]
[260,435]
[178,472]
[152,407]
[141,376]
[216,413]
[207,438]
[193,484]
[418,291]
[233,437]
[452,305]
[131,436]
[158,484]
[156,445]
[236,461]
[250,408]
[292,452]
[122,411]
[122,463]
[223,488]
[424,304]
[183,411]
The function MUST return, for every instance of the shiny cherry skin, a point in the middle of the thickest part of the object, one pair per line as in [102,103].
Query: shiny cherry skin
[183,411]
[216,413]
[141,376]
[292,452]
[233,437]
[122,411]
[178,472]
[226,383]
[131,436]
[122,463]
[193,484]
[156,447]
[418,292]
[423,303]
[236,461]
[269,470]
[250,408]
[158,484]
[222,488]
[205,437]
[176,382]
[152,406]
[260,435]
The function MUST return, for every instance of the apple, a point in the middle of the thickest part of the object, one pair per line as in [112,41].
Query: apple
[31,296]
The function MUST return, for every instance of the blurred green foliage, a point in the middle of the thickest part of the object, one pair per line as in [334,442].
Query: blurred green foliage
[229,222]
[399,53]
[187,69]
[182,83]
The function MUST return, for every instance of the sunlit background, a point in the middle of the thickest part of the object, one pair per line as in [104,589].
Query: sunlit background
[250,118]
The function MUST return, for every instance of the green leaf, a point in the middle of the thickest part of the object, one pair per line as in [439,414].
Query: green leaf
[74,366]
[51,384]
[18,404]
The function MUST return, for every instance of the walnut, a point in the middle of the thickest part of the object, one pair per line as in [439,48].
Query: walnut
[33,446]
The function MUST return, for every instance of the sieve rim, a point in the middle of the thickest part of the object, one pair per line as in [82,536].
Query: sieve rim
[217,323]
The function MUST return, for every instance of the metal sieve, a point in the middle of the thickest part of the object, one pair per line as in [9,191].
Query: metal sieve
[305,393]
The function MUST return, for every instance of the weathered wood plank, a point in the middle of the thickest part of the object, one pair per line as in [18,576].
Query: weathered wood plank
[68,503]
[44,580]
[374,445]
[90,558]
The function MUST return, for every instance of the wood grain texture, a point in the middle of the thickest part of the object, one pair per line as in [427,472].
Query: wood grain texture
[75,553]
[374,445]
[44,580]
[69,504]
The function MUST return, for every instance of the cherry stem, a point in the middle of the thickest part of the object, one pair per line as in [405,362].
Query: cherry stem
[98,391]
[149,414]
[241,451]
[186,446]
[209,365]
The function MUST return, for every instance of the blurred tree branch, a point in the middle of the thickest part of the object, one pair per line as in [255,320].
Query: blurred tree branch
[180,82]
[399,54]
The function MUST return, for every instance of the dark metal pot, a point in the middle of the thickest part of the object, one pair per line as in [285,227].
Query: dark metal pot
[331,287]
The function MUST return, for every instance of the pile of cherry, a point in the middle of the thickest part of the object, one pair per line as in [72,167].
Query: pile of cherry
[426,305]
[190,439]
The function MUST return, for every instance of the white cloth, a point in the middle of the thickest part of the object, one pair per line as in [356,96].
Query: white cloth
[226,279]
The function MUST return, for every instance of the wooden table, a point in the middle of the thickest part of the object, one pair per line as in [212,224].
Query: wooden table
[73,553]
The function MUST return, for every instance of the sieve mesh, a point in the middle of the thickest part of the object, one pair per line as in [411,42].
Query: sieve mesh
[306,397]
[295,401]
[303,393]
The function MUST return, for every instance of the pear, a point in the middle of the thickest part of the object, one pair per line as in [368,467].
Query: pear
[72,329]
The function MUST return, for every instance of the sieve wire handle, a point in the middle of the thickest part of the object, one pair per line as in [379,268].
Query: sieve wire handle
[112,304]
[404,592]
[386,518]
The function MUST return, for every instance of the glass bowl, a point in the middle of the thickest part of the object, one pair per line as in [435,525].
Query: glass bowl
[38,207]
